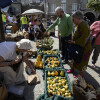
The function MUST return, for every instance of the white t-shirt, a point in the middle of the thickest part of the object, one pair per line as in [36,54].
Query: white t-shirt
[36,27]
[8,50]
[10,19]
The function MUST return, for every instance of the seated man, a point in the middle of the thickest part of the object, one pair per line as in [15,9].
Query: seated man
[9,57]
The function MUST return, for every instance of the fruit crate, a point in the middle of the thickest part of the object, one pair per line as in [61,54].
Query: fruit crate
[66,90]
[47,52]
[52,64]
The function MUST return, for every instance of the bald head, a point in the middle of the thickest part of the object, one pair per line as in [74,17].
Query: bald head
[60,12]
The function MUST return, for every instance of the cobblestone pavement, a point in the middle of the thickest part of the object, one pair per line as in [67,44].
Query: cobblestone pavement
[92,76]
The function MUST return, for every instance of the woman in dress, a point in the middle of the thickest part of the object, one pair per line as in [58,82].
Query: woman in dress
[81,38]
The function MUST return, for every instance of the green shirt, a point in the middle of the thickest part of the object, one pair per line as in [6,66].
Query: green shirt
[3,18]
[23,20]
[65,25]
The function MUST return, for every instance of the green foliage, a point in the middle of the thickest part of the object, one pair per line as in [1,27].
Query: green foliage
[94,5]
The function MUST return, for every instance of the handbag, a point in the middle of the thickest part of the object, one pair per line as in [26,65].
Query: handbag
[3,92]
[75,52]
[94,38]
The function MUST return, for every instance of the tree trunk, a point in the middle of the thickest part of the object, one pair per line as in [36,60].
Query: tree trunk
[2,35]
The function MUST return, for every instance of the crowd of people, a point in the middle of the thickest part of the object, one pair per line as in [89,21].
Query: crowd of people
[76,47]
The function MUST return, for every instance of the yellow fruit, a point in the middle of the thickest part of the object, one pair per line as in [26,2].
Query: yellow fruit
[40,64]
[53,66]
[36,64]
[49,74]
[58,93]
[62,73]
[63,90]
[54,85]
[66,87]
[39,58]
[66,94]
[53,74]
[56,73]
[59,84]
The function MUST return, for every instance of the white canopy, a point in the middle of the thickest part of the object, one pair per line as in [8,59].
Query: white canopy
[32,11]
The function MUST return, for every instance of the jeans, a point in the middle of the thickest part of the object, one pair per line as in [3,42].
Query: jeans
[64,46]
[24,26]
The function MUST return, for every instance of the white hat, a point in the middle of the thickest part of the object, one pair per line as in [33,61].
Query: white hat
[24,44]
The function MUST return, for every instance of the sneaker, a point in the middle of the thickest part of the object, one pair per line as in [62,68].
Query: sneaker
[74,76]
[70,71]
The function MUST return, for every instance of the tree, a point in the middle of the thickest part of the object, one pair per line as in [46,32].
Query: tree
[94,5]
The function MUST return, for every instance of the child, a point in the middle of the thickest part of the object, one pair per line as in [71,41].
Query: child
[37,29]
[31,32]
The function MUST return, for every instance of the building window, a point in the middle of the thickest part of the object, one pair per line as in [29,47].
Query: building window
[64,7]
[74,7]
[31,1]
[63,1]
[53,7]
[22,2]
[37,1]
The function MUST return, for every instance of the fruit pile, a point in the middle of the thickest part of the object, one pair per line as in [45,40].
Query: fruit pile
[39,63]
[46,43]
[56,73]
[52,62]
[58,86]
[48,52]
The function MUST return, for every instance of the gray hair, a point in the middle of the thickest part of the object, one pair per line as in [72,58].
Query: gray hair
[78,15]
[60,9]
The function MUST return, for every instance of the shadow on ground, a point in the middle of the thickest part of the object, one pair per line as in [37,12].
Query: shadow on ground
[91,80]
[29,92]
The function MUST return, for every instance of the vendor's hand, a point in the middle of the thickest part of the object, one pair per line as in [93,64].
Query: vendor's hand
[46,33]
[17,60]
[71,42]
[25,57]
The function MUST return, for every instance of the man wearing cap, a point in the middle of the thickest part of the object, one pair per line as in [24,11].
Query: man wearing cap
[65,28]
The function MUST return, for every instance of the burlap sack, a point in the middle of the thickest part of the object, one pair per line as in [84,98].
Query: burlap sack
[3,92]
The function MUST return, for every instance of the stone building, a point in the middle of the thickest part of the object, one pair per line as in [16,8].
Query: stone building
[71,6]
[48,6]
[15,8]
[35,4]
[22,5]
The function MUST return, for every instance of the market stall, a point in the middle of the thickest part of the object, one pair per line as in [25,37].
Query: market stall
[57,82]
